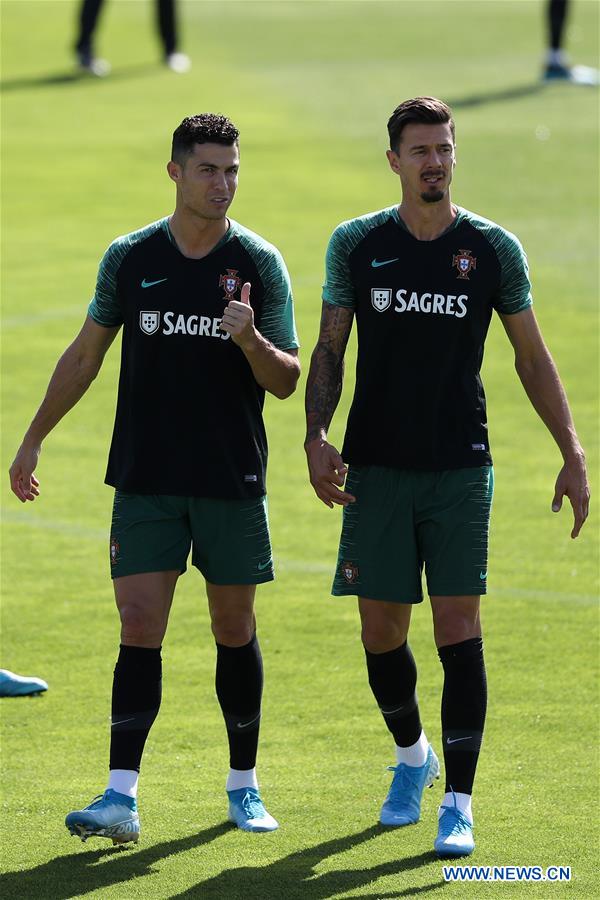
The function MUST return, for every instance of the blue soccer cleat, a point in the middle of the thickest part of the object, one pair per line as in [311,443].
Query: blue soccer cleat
[585,76]
[111,815]
[455,833]
[403,803]
[12,685]
[246,810]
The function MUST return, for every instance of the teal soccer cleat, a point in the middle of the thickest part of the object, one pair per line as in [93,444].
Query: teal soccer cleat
[403,803]
[246,810]
[111,815]
[585,76]
[455,833]
[12,685]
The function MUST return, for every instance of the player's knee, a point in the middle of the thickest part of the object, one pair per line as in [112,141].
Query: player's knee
[453,627]
[381,635]
[232,632]
[139,627]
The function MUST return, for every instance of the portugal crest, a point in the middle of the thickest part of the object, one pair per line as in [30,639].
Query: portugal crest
[464,262]
[350,572]
[230,283]
[381,298]
[114,551]
[149,321]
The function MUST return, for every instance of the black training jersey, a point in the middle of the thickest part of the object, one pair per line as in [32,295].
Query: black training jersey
[189,410]
[422,309]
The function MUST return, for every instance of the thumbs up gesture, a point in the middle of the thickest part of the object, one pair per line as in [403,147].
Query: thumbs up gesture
[238,320]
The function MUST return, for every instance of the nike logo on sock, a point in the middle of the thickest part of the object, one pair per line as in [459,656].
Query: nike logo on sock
[390,712]
[454,740]
[246,724]
[121,721]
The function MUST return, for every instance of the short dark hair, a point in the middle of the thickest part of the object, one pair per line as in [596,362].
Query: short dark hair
[204,128]
[422,110]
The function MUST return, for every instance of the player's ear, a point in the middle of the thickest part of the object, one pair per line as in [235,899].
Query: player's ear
[174,170]
[392,158]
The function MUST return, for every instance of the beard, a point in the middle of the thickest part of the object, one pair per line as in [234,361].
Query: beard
[432,196]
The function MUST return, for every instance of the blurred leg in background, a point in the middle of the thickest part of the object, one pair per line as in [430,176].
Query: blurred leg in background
[556,65]
[89,13]
[167,28]
[166,22]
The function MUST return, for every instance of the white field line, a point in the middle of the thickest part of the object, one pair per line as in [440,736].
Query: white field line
[283,564]
[45,316]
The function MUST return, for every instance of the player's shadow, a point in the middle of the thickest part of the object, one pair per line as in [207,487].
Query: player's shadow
[291,877]
[73,77]
[498,96]
[294,876]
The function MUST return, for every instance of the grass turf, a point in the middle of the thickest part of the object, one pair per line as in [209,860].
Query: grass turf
[311,85]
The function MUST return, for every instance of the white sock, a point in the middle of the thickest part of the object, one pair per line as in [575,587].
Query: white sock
[556,58]
[241,778]
[416,754]
[463,802]
[125,781]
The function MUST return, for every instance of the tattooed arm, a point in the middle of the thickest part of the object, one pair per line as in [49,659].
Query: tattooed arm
[323,390]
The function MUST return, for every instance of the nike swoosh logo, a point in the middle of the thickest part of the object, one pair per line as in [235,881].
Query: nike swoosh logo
[245,724]
[483,575]
[390,712]
[454,740]
[383,262]
[152,283]
[122,721]
[262,566]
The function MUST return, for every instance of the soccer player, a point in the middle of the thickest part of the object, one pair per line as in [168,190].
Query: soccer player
[208,327]
[415,473]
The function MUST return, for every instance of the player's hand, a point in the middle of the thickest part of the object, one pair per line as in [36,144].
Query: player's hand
[327,472]
[238,320]
[572,483]
[23,482]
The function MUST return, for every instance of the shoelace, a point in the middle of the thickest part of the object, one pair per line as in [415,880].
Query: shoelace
[460,825]
[253,806]
[402,782]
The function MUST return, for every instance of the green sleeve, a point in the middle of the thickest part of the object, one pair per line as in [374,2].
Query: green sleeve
[514,293]
[277,322]
[105,308]
[338,289]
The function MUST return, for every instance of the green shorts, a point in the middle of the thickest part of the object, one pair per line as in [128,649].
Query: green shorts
[407,521]
[229,538]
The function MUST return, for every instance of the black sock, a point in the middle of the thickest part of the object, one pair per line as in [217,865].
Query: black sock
[239,682]
[393,678]
[136,695]
[557,14]
[464,702]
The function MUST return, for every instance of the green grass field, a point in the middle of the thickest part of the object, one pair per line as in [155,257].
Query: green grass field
[311,85]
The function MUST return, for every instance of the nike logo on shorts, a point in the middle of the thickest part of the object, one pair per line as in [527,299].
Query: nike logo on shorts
[262,566]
